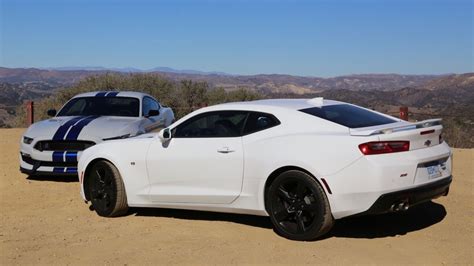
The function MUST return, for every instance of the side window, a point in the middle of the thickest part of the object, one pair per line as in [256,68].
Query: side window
[219,124]
[259,121]
[149,104]
[155,105]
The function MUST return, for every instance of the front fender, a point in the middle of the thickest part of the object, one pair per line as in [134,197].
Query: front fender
[129,157]
[87,159]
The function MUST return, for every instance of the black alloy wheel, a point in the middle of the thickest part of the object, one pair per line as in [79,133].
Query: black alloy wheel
[107,192]
[298,206]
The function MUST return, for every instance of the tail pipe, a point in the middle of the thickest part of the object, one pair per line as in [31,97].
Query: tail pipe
[398,206]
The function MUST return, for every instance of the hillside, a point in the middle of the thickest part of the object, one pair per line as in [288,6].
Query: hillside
[14,94]
[461,81]
[53,78]
[267,84]
[274,83]
[452,91]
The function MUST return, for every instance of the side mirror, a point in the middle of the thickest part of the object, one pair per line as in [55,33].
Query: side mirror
[153,113]
[51,112]
[164,135]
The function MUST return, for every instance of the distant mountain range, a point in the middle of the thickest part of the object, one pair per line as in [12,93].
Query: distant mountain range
[137,70]
[18,84]
[278,83]
[265,83]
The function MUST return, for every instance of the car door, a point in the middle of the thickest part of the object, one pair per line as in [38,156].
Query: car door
[201,163]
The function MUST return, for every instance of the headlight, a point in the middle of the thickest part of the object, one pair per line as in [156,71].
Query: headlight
[119,137]
[27,140]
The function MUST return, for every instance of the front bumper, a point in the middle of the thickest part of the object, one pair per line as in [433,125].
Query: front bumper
[36,172]
[64,164]
[410,197]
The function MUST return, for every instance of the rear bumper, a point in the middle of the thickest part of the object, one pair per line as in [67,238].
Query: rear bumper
[411,196]
[357,187]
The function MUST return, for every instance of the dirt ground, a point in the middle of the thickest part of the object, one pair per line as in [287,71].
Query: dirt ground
[44,221]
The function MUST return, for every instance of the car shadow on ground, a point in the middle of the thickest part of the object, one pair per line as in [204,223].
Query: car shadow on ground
[62,179]
[251,220]
[389,224]
[374,226]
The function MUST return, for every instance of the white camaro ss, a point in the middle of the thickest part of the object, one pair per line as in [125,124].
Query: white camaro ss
[302,162]
[52,146]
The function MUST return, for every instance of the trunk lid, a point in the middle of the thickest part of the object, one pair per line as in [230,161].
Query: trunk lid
[421,134]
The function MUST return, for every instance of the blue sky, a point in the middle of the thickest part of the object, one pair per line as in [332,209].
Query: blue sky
[310,38]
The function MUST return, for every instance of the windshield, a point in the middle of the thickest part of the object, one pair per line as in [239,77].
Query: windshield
[349,115]
[102,106]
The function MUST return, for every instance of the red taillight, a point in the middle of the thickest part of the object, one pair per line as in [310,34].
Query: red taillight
[380,147]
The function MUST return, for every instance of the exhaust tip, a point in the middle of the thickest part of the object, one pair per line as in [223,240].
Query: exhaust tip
[392,208]
[400,206]
[406,206]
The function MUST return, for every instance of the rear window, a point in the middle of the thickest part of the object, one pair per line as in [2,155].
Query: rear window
[348,115]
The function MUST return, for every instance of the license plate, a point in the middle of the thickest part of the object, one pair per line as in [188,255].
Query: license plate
[433,171]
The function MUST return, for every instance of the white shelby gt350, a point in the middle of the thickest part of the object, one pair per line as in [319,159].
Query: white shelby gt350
[53,146]
[302,162]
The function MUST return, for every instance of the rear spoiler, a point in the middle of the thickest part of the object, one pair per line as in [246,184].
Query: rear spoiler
[388,130]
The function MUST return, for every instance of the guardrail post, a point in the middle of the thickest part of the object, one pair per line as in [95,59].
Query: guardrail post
[404,113]
[30,112]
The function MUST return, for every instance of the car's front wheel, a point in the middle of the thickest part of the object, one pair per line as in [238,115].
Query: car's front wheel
[107,192]
[298,206]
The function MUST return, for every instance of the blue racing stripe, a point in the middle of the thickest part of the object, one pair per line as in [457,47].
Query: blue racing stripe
[58,156]
[77,128]
[112,94]
[71,170]
[58,170]
[62,130]
[101,94]
[71,156]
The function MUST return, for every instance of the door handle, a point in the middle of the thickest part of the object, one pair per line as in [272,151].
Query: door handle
[225,150]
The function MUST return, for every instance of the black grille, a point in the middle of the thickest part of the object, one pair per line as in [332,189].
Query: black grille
[63,145]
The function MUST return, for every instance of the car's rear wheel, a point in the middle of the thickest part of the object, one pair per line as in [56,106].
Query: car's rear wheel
[107,192]
[298,206]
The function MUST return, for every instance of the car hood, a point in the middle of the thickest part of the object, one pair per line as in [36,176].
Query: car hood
[84,127]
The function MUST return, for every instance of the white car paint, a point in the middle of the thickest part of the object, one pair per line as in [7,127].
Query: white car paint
[194,173]
[95,129]
[202,181]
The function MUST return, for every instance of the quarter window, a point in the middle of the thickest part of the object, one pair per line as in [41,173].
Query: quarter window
[259,121]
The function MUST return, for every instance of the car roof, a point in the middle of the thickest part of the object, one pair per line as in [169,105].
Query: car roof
[133,94]
[292,104]
[284,108]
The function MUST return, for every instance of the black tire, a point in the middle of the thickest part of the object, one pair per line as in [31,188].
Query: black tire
[107,192]
[298,207]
